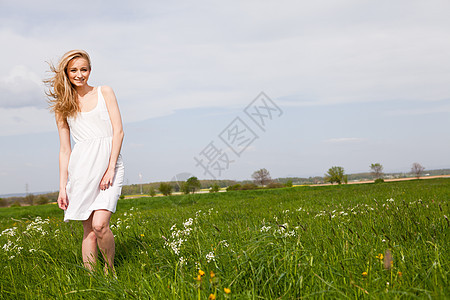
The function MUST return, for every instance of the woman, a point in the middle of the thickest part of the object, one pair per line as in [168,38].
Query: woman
[91,174]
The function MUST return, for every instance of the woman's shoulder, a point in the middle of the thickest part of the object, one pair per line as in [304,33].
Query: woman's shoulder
[107,92]
[106,89]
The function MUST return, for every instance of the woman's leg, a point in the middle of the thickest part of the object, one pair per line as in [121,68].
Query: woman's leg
[89,245]
[105,238]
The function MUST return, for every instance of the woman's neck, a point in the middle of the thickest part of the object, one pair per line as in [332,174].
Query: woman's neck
[83,90]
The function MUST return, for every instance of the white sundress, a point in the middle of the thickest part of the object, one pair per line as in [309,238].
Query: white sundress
[92,133]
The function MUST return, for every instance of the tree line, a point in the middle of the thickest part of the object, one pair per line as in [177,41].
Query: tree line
[336,174]
[260,179]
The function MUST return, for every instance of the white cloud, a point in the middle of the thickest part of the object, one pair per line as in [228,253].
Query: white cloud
[161,57]
[21,88]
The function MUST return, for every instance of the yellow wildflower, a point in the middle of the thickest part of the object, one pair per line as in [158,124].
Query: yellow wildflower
[201,273]
[212,297]
[198,278]
[400,274]
[364,273]
[142,235]
[380,256]
[227,291]
[211,274]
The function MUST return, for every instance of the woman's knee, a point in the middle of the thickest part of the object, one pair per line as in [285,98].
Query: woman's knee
[100,222]
[100,229]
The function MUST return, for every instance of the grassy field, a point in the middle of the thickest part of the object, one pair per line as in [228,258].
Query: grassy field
[368,241]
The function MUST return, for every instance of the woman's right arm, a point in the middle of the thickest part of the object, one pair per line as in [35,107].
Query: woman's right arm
[64,155]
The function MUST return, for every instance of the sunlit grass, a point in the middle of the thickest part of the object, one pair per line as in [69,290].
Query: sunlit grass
[377,241]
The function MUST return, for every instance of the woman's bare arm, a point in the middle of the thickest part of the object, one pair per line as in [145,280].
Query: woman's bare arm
[64,155]
[116,122]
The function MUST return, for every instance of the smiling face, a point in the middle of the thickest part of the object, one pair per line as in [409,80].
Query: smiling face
[78,71]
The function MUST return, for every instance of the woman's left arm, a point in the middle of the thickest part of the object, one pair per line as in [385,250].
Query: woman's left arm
[116,122]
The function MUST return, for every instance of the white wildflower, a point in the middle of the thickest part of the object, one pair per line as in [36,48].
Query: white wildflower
[210,257]
[9,231]
[265,228]
[224,243]
[188,223]
[289,233]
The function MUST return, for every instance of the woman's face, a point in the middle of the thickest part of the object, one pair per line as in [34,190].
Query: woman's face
[78,71]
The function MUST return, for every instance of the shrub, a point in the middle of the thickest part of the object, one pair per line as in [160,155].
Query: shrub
[379,180]
[214,188]
[288,183]
[16,204]
[275,185]
[41,200]
[249,186]
[184,188]
[152,191]
[121,197]
[234,187]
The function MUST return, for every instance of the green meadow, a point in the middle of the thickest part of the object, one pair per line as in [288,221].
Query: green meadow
[368,241]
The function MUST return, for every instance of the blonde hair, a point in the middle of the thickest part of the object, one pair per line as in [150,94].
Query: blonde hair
[63,98]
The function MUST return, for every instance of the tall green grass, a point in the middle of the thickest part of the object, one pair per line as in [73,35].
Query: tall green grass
[352,241]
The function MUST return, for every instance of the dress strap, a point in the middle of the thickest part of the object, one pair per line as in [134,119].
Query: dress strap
[101,99]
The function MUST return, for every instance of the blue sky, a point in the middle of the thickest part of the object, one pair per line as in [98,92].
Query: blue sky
[358,82]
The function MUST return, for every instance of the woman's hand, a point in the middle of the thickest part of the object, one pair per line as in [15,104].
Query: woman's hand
[62,199]
[107,179]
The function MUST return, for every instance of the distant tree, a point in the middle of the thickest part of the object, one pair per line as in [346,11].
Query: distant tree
[417,169]
[214,188]
[151,191]
[377,170]
[335,174]
[192,184]
[3,202]
[184,188]
[165,189]
[261,177]
[29,199]
[288,183]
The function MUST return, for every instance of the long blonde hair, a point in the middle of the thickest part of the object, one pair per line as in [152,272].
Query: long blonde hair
[63,98]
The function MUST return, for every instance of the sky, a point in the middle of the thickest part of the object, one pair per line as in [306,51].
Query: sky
[220,89]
